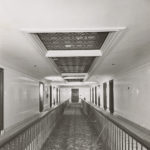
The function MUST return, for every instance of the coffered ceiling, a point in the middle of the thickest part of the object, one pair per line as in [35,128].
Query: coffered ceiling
[74,80]
[73,40]
[69,41]
[74,64]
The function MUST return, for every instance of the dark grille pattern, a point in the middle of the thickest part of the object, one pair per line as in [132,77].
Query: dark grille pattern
[73,40]
[73,64]
[74,80]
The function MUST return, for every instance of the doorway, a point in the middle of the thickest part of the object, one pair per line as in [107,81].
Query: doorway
[105,95]
[99,95]
[111,96]
[50,96]
[41,96]
[75,95]
[1,99]
[95,95]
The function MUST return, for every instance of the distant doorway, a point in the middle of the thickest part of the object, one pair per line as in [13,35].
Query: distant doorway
[41,97]
[50,96]
[105,95]
[95,95]
[99,95]
[111,96]
[1,99]
[75,95]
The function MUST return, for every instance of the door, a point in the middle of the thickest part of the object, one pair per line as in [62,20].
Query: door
[111,96]
[75,95]
[41,97]
[57,95]
[95,95]
[99,95]
[105,95]
[1,99]
[50,96]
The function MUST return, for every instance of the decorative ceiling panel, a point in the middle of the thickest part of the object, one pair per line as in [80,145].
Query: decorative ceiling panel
[74,80]
[73,64]
[73,40]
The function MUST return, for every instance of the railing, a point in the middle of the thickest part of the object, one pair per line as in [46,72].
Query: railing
[116,134]
[33,134]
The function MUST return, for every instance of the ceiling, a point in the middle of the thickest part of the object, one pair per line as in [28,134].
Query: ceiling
[74,80]
[74,64]
[73,41]
[19,18]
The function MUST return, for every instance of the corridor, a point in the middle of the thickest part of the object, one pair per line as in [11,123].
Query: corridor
[74,75]
[74,131]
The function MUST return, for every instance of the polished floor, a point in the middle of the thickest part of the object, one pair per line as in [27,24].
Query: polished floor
[74,132]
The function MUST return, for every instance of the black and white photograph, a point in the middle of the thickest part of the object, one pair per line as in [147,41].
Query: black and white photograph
[74,74]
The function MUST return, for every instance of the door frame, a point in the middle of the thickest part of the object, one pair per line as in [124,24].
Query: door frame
[72,96]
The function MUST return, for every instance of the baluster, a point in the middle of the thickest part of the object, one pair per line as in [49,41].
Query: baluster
[112,133]
[119,139]
[125,141]
[109,135]
[115,137]
[136,145]
[141,147]
[132,144]
[128,143]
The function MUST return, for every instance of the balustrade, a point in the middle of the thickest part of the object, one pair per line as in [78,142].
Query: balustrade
[32,136]
[114,134]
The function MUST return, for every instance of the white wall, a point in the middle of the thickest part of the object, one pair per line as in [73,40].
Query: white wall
[21,97]
[84,92]
[65,93]
[132,95]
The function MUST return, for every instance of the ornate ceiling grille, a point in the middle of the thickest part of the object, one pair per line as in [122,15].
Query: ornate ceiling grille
[73,64]
[73,40]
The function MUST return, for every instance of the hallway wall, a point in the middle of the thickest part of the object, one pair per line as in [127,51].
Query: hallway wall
[132,95]
[21,97]
[84,92]
[65,93]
